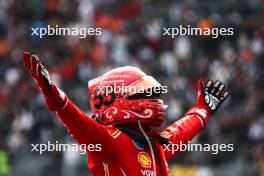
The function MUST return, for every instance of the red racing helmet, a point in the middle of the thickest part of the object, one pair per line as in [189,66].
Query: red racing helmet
[125,95]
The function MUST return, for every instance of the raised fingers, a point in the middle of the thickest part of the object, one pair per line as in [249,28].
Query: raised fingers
[224,96]
[208,86]
[215,87]
[26,58]
[220,89]
[31,62]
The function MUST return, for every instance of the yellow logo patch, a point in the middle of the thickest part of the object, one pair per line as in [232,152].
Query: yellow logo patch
[144,159]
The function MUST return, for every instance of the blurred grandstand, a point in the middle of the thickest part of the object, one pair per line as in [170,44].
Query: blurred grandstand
[132,35]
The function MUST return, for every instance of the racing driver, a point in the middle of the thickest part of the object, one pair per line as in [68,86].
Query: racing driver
[125,123]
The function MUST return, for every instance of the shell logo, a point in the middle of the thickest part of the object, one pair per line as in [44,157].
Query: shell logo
[144,159]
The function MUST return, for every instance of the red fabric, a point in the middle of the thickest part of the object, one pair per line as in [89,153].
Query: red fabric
[56,100]
[184,130]
[119,155]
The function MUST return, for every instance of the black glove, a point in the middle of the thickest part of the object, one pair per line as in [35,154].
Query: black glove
[214,94]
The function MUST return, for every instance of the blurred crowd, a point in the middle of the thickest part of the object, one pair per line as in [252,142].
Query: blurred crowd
[132,35]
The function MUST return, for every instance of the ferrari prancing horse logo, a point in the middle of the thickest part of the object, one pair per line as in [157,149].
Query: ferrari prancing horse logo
[144,159]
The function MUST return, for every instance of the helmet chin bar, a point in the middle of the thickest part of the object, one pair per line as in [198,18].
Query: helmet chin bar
[150,111]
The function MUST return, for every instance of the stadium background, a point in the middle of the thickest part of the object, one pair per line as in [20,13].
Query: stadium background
[132,35]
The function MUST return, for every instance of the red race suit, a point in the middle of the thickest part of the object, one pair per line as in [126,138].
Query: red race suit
[120,155]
